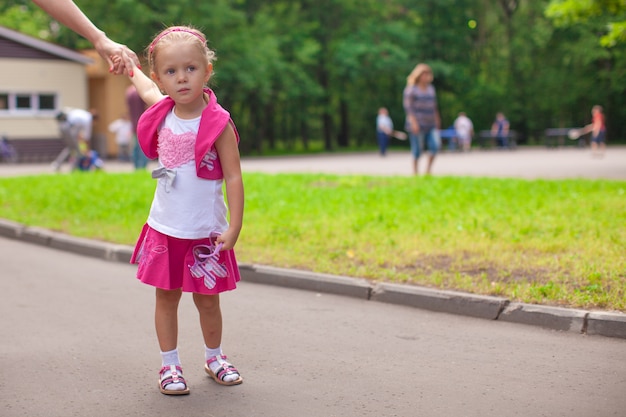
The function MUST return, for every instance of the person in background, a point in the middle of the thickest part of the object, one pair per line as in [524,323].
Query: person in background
[136,107]
[69,14]
[384,129]
[187,243]
[500,130]
[123,129]
[464,129]
[422,115]
[75,126]
[89,159]
[7,151]
[598,131]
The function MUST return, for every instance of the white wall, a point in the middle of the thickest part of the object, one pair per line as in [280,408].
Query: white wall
[65,78]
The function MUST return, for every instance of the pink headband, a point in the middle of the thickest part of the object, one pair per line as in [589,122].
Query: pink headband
[167,32]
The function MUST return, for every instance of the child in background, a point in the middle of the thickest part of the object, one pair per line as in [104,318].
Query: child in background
[123,130]
[500,130]
[384,130]
[464,131]
[187,242]
[598,131]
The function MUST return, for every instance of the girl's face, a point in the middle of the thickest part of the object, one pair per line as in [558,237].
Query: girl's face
[182,71]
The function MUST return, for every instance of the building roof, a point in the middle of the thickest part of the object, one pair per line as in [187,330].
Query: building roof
[10,42]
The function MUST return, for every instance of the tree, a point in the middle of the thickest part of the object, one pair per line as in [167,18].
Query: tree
[611,12]
[296,71]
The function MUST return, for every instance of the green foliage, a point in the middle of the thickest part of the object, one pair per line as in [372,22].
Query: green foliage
[28,20]
[557,242]
[293,72]
[611,14]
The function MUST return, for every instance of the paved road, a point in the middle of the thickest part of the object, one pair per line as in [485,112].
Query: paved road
[78,336]
[522,163]
[78,340]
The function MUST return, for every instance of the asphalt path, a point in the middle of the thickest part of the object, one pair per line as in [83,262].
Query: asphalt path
[530,163]
[78,340]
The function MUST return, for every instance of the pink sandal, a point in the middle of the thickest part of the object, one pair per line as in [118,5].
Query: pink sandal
[175,377]
[223,371]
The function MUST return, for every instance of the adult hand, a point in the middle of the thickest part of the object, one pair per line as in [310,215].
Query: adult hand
[68,14]
[119,57]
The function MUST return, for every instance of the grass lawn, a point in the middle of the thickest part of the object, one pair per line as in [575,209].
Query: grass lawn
[557,242]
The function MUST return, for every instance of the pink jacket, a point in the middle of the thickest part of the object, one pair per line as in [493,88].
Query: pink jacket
[212,124]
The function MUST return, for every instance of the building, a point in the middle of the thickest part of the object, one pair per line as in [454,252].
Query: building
[38,79]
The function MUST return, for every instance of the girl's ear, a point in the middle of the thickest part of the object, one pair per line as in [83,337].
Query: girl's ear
[156,80]
[209,72]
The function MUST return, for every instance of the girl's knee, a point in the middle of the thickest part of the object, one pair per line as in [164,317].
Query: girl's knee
[207,303]
[168,296]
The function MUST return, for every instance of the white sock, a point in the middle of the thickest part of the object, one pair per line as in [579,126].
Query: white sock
[209,352]
[171,358]
[215,365]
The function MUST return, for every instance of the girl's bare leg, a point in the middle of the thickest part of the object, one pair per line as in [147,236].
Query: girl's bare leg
[210,318]
[166,318]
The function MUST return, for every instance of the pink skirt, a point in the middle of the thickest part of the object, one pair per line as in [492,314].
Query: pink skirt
[170,263]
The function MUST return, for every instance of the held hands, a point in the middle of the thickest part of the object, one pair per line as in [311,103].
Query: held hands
[119,57]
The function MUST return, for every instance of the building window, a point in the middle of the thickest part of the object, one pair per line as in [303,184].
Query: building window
[27,103]
[47,102]
[23,102]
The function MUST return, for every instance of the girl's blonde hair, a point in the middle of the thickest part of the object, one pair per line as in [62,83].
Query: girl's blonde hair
[417,72]
[179,34]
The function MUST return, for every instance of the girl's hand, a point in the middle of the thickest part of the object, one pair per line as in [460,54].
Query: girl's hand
[228,239]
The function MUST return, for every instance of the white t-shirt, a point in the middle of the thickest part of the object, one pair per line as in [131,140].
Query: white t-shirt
[191,207]
[80,121]
[123,130]
[463,126]
[384,123]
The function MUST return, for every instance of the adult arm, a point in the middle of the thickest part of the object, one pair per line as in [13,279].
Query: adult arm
[410,116]
[68,14]
[437,115]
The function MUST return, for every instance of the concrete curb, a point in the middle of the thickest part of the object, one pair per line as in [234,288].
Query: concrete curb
[555,318]
[453,302]
[330,284]
[609,324]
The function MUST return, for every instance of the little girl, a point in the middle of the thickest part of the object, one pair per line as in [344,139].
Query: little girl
[187,242]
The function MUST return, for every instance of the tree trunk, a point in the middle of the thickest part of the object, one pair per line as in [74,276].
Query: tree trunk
[343,136]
